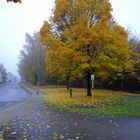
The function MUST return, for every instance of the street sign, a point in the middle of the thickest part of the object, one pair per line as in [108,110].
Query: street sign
[92,77]
[92,80]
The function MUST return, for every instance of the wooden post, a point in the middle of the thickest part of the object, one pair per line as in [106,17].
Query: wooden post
[70,93]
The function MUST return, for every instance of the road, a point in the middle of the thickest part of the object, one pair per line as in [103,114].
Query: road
[10,94]
[30,120]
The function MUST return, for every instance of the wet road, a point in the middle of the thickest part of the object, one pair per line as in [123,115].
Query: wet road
[10,94]
[30,120]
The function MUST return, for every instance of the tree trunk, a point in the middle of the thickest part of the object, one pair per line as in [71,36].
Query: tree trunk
[35,79]
[122,83]
[68,83]
[89,84]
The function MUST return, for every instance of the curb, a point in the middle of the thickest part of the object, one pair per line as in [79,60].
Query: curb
[27,89]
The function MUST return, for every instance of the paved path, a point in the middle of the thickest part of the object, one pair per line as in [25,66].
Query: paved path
[30,120]
[11,93]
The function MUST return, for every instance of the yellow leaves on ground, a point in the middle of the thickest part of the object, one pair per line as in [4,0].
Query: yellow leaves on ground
[61,96]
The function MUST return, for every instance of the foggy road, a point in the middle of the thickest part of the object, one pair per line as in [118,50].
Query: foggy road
[10,94]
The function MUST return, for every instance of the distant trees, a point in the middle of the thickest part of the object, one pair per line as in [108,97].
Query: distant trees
[32,60]
[2,74]
[10,77]
[6,77]
[133,79]
[83,39]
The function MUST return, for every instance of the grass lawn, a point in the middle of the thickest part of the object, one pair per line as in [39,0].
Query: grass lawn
[104,102]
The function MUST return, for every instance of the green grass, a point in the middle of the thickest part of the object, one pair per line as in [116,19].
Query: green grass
[105,102]
[123,107]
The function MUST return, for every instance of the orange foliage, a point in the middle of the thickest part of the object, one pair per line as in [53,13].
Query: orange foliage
[86,38]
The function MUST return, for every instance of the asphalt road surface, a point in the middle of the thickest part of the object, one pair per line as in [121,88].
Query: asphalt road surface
[10,94]
[30,120]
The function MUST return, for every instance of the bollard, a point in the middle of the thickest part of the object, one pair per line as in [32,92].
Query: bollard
[70,93]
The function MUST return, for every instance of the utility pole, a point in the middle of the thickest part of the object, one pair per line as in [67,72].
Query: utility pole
[39,67]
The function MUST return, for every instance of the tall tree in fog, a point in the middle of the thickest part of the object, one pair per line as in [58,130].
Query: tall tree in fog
[31,65]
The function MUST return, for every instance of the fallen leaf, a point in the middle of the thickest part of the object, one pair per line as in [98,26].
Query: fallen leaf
[55,135]
[13,133]
[77,137]
[61,136]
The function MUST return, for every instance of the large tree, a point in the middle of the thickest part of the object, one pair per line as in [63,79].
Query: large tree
[87,28]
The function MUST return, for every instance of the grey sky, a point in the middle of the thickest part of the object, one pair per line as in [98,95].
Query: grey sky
[17,19]
[127,13]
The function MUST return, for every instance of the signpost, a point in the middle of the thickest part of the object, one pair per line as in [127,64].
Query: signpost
[92,80]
